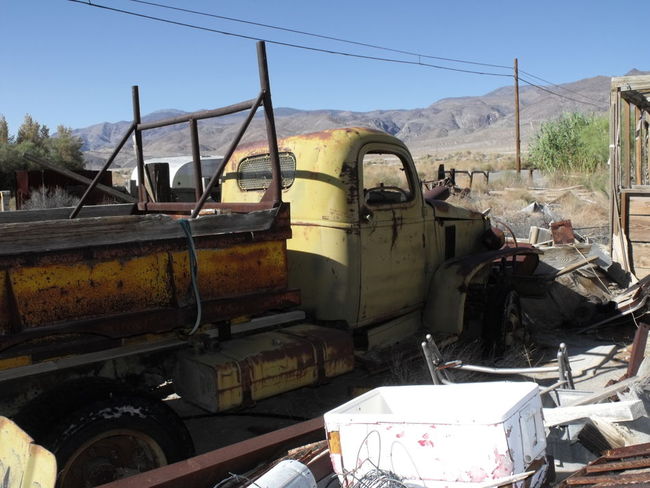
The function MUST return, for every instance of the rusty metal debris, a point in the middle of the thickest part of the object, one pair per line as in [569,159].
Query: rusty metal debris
[622,467]
[208,469]
[438,367]
[445,186]
[562,232]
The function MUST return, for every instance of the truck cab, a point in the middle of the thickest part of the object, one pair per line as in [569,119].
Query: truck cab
[365,243]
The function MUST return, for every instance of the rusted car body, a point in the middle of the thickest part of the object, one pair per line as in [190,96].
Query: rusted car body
[388,262]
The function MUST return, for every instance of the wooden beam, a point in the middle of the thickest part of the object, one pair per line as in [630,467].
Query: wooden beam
[639,228]
[638,161]
[625,144]
[517,135]
[606,392]
[125,197]
[639,205]
[614,222]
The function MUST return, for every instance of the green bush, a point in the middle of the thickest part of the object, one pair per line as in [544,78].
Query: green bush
[574,142]
[35,139]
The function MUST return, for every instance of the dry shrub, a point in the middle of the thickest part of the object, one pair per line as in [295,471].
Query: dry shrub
[415,372]
[378,173]
[49,198]
[508,195]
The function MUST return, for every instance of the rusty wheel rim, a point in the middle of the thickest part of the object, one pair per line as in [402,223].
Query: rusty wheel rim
[109,456]
[513,330]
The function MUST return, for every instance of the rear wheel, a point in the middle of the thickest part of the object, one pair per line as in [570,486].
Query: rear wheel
[112,439]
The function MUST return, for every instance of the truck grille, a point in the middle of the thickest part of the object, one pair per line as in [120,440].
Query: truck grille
[255,172]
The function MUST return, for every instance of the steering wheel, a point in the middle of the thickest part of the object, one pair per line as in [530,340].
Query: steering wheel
[382,189]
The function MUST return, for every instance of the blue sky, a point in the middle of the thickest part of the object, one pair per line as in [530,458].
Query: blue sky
[73,64]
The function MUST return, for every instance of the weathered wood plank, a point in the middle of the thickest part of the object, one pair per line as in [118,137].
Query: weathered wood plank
[639,205]
[58,235]
[625,143]
[124,197]
[612,412]
[63,213]
[639,228]
[635,82]
[638,160]
[22,463]
[641,254]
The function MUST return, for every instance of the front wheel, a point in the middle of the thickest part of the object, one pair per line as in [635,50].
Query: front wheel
[115,438]
[503,325]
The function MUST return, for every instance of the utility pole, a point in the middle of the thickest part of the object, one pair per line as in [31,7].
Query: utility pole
[517,136]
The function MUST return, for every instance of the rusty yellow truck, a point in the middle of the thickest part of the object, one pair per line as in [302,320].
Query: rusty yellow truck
[322,245]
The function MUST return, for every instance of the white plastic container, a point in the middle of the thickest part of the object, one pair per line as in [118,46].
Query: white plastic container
[286,474]
[461,435]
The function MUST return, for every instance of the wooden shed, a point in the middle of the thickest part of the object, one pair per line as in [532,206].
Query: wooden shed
[630,173]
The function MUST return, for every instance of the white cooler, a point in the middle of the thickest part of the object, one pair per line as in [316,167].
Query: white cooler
[461,435]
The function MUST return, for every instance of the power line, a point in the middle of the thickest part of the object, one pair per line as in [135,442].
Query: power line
[558,86]
[287,44]
[357,43]
[328,51]
[320,36]
[556,94]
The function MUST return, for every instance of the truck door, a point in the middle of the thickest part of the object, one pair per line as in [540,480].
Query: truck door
[392,234]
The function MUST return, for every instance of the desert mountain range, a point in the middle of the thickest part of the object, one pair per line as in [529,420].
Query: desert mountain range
[478,123]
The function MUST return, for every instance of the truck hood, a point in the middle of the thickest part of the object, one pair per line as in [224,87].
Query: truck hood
[445,210]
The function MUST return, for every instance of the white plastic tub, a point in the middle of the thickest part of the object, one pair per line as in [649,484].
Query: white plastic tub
[459,435]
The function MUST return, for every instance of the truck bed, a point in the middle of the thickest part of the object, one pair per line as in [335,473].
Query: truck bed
[119,276]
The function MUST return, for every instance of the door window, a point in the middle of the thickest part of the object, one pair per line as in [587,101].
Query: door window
[385,179]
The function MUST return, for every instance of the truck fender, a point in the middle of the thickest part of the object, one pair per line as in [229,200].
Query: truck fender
[445,306]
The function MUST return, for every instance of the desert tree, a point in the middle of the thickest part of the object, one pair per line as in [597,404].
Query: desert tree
[4,130]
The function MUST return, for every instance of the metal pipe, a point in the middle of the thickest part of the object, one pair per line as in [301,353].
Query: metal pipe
[443,374]
[95,181]
[203,114]
[274,191]
[562,376]
[139,155]
[486,369]
[215,177]
[428,357]
[196,158]
[567,366]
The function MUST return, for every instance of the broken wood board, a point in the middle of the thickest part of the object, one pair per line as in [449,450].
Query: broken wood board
[22,463]
[584,363]
[612,412]
[607,392]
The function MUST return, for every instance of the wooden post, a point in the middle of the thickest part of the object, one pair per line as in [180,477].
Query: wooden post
[517,135]
[614,161]
[625,144]
[638,161]
[196,159]
[646,146]
[159,178]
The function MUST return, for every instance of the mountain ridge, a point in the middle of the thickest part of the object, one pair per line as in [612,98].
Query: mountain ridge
[483,123]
